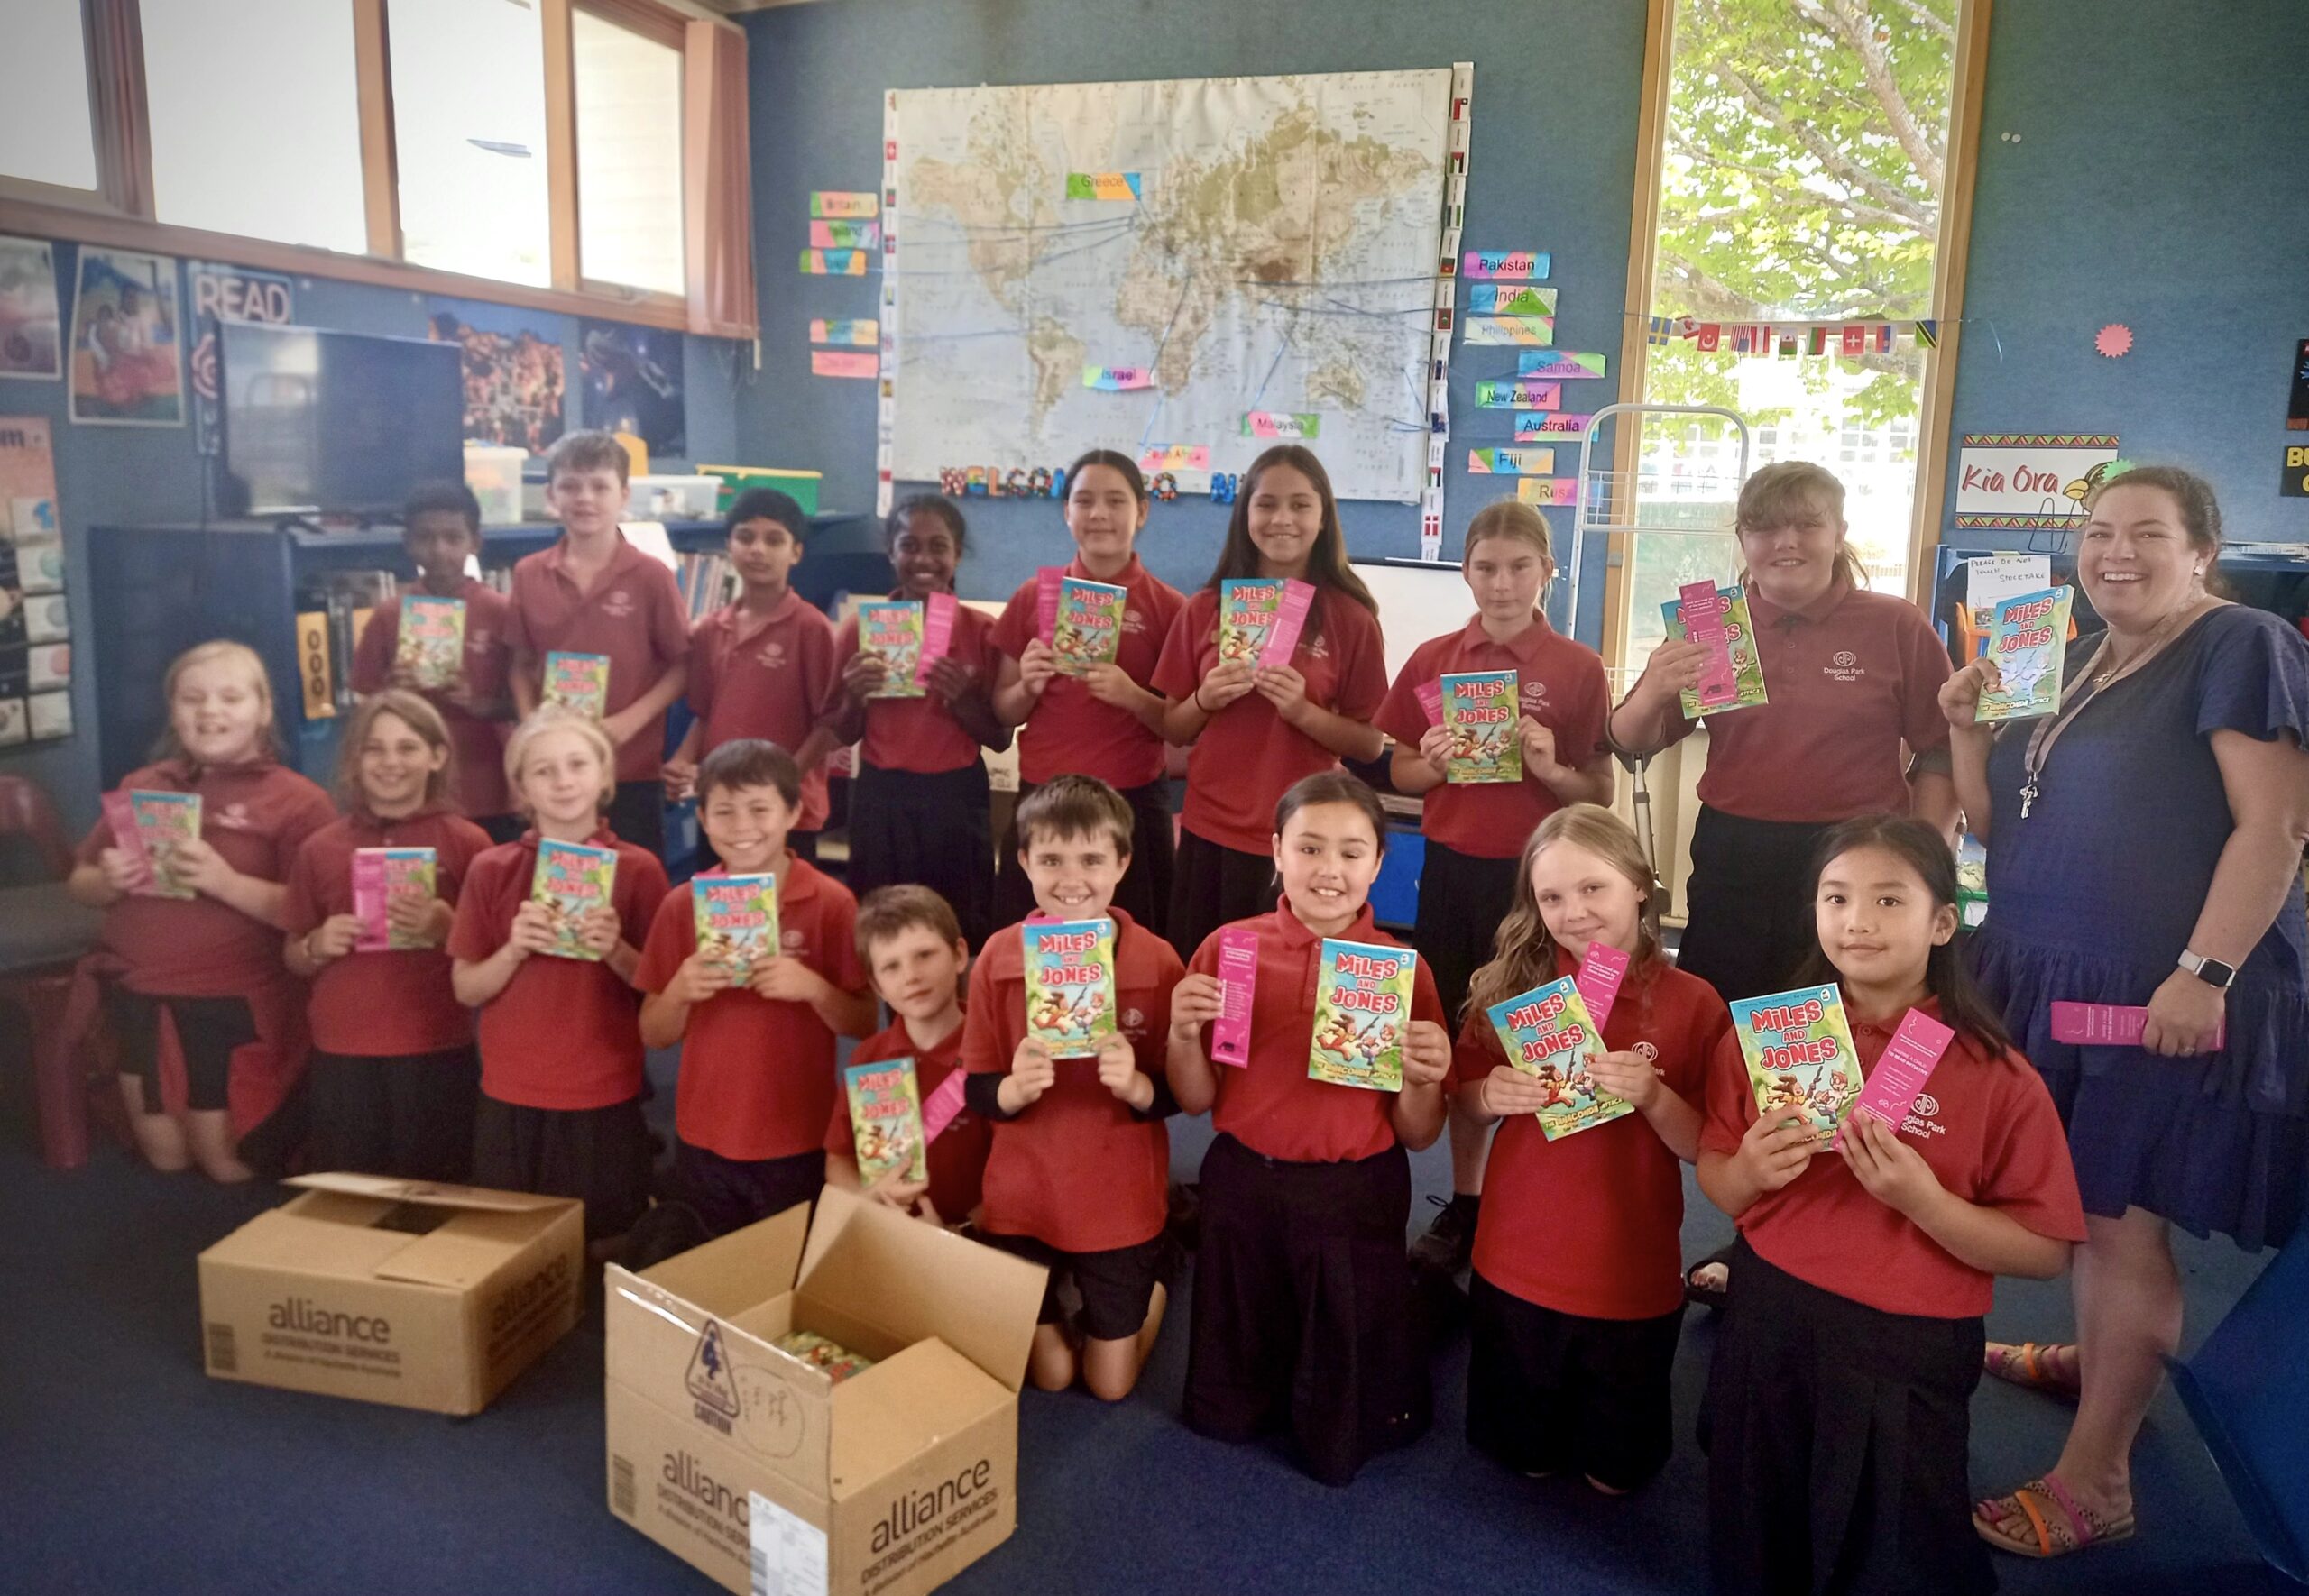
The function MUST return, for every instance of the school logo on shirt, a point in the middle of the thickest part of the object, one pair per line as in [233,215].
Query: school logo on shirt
[234,817]
[1134,1024]
[1534,695]
[1133,622]
[1923,1117]
[1844,666]
[772,656]
[793,940]
[477,640]
[616,603]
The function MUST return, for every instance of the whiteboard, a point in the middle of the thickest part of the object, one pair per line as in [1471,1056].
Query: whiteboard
[1416,603]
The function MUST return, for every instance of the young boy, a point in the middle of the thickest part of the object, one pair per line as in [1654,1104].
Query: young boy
[1079,1177]
[757,1078]
[440,527]
[912,947]
[594,593]
[760,667]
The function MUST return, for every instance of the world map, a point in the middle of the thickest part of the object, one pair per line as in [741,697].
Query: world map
[1194,265]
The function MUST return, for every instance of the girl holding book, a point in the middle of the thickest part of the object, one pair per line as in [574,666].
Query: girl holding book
[1576,1303]
[187,864]
[1304,1314]
[560,1110]
[919,808]
[1471,874]
[1837,1411]
[1100,719]
[1258,727]
[393,1070]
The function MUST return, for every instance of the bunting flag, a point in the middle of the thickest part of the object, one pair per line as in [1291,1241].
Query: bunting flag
[1928,335]
[1660,331]
[1855,339]
[1711,337]
[1817,342]
[1884,336]
[1787,340]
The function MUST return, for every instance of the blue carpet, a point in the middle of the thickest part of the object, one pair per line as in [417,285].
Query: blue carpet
[123,1468]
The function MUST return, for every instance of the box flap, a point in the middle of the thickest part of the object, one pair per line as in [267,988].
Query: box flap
[728,1275]
[434,1193]
[465,1251]
[285,1240]
[915,1280]
[902,1407]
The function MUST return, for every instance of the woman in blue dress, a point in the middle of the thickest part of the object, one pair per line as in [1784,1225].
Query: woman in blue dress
[2145,848]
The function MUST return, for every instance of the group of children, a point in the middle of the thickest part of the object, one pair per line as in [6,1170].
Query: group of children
[1836,1417]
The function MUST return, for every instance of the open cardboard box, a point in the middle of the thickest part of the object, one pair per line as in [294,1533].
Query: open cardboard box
[736,1457]
[400,1291]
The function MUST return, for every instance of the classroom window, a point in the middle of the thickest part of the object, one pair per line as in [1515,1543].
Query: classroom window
[219,110]
[469,137]
[629,103]
[45,133]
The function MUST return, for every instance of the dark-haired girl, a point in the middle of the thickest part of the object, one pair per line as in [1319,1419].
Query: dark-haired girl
[1837,1411]
[918,812]
[1258,728]
[1304,1318]
[1106,722]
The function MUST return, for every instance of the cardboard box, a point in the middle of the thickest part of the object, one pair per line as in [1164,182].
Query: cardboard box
[758,1470]
[396,1291]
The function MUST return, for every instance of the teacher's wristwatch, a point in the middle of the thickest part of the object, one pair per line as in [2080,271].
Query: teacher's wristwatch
[2210,971]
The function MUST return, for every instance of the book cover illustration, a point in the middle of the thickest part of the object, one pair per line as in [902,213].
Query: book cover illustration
[736,920]
[1738,645]
[1088,630]
[430,645]
[1070,966]
[1548,1033]
[885,1119]
[2027,642]
[891,628]
[572,879]
[380,874]
[158,824]
[581,682]
[1260,618]
[1238,975]
[1362,1014]
[1801,1065]
[837,1360]
[1481,711]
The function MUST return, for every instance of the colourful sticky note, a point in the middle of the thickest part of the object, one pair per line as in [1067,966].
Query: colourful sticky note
[1520,393]
[1543,423]
[1115,379]
[1280,424]
[1547,490]
[1527,330]
[1559,363]
[1102,185]
[865,334]
[833,263]
[1494,298]
[1510,463]
[844,202]
[843,362]
[1175,457]
[1517,264]
[845,236]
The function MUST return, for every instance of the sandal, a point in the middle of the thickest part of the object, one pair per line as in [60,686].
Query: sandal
[2075,1526]
[2030,1366]
[1709,1297]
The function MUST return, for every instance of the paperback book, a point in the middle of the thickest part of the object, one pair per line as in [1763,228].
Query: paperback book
[2028,643]
[838,1362]
[1260,618]
[885,1119]
[380,874]
[1480,712]
[1088,630]
[1070,966]
[736,920]
[1548,1033]
[430,645]
[1362,1013]
[580,682]
[154,826]
[1801,1065]
[572,880]
[1732,675]
[891,629]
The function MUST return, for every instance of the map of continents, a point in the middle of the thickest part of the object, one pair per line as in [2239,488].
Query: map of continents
[1255,244]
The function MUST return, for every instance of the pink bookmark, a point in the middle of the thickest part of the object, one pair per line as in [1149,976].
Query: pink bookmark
[1430,699]
[369,902]
[1047,581]
[1704,608]
[2107,1024]
[1239,970]
[1598,981]
[120,814]
[1289,620]
[1901,1070]
[937,633]
[940,1108]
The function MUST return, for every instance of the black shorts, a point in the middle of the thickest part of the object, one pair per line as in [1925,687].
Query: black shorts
[409,1116]
[1305,1314]
[209,1030]
[906,828]
[1145,891]
[1116,1285]
[1211,885]
[1550,1392]
[729,1194]
[1748,900]
[600,1156]
[1462,899]
[637,815]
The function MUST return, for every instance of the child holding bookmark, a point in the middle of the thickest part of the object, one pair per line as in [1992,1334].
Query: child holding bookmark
[394,1071]
[1575,1302]
[1837,1412]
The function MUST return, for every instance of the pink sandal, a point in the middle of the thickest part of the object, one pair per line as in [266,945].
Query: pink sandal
[2075,1528]
[2030,1365]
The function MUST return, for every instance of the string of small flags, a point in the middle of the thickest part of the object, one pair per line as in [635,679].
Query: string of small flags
[1787,340]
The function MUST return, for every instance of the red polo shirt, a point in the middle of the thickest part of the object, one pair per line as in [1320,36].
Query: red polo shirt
[1077,1169]
[758,1078]
[480,744]
[256,816]
[918,734]
[634,613]
[1068,731]
[393,1002]
[765,675]
[1588,1225]
[958,1156]
[1851,677]
[1562,687]
[1987,1127]
[566,1032]
[1247,757]
[1269,1105]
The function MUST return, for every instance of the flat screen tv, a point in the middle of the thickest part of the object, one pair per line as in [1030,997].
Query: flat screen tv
[337,422]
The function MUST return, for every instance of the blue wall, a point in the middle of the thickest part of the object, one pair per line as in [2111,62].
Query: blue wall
[1552,168]
[2160,180]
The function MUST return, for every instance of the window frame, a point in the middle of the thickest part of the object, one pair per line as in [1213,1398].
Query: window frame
[119,212]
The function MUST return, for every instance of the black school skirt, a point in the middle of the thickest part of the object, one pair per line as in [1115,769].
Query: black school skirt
[600,1156]
[1145,891]
[1305,1316]
[1462,899]
[1749,899]
[409,1116]
[931,831]
[1835,1436]
[1212,885]
[1550,1392]
[729,1194]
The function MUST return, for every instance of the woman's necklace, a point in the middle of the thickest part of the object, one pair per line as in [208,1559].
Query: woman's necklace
[2041,745]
